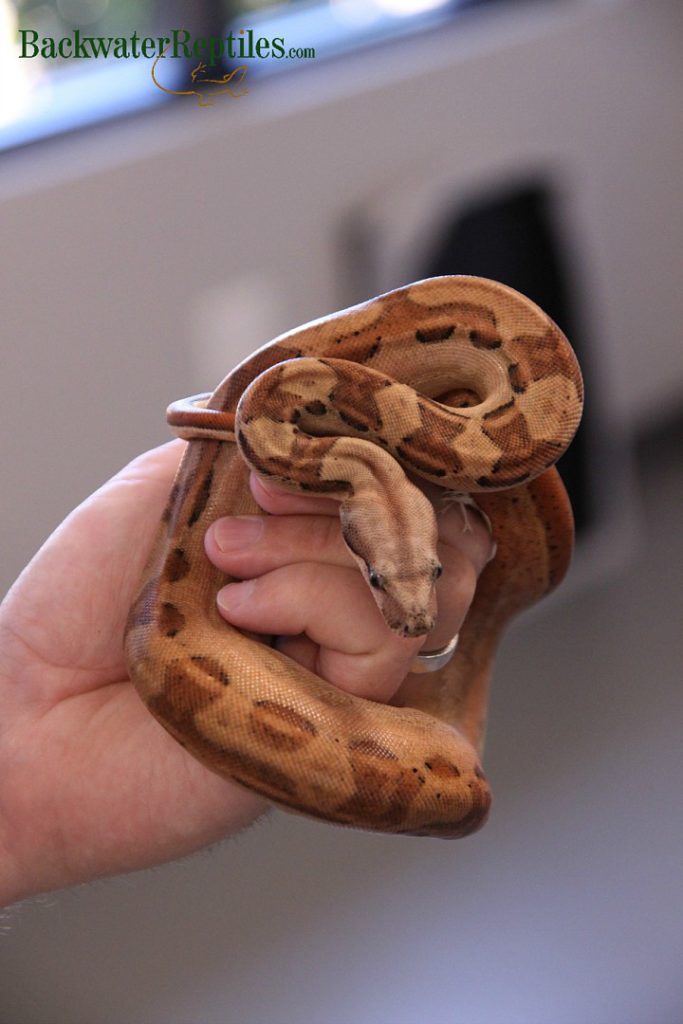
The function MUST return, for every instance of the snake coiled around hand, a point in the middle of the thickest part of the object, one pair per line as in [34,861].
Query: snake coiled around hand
[458,381]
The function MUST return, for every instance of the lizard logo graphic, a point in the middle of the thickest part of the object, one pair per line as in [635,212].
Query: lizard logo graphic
[204,88]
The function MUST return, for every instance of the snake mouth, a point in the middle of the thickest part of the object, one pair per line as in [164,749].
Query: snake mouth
[407,622]
[419,625]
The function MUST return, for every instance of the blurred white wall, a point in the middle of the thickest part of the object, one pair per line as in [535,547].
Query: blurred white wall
[138,262]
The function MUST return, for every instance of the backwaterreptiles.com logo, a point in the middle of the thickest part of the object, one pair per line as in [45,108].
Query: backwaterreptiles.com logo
[204,80]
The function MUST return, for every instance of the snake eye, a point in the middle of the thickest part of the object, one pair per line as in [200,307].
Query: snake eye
[438,571]
[375,579]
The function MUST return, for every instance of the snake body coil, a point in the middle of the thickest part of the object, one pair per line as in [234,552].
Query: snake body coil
[462,382]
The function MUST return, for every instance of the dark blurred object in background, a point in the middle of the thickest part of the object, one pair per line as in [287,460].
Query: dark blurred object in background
[511,238]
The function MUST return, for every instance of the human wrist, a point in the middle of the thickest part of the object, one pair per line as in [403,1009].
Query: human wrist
[12,887]
[13,882]
[15,876]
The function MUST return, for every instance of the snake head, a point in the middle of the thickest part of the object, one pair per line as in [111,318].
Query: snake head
[392,535]
[405,597]
[400,572]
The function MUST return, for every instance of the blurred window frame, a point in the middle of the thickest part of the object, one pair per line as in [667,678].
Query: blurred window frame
[79,97]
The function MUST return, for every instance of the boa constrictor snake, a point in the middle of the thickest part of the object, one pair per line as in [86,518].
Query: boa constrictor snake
[462,382]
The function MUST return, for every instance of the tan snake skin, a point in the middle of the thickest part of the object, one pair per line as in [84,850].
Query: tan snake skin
[333,408]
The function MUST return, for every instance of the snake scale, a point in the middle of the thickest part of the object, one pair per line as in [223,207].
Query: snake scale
[459,381]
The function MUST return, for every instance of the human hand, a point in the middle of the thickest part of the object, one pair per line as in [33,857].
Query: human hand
[91,784]
[302,585]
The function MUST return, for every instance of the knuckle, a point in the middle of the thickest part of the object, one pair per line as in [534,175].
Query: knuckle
[466,530]
[466,581]
[456,589]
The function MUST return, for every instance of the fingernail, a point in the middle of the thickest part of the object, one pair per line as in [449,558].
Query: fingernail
[269,486]
[237,532]
[234,595]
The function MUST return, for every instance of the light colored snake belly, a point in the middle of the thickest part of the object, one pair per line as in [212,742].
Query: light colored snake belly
[457,380]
